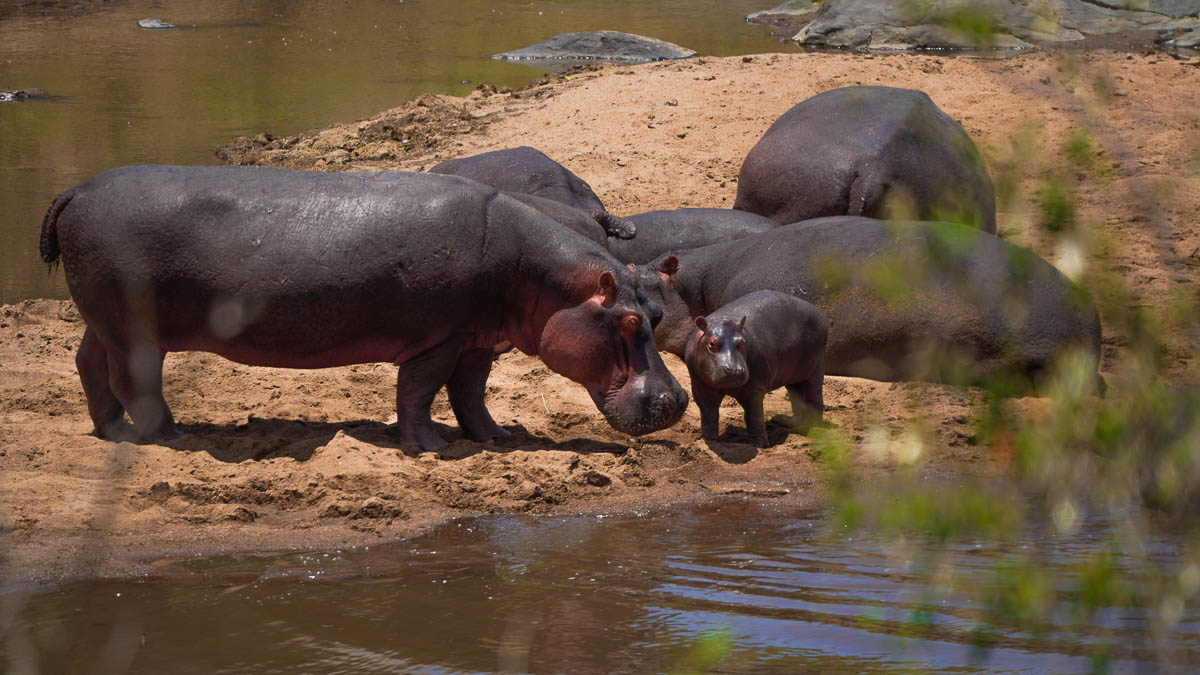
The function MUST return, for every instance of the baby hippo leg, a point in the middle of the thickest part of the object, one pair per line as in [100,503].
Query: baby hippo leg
[709,402]
[756,424]
[808,401]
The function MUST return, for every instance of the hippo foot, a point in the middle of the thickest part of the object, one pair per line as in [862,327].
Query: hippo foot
[160,436]
[489,435]
[117,431]
[759,441]
[615,226]
[426,438]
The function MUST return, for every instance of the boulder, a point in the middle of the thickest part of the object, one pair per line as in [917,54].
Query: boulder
[603,45]
[996,24]
[1189,40]
[151,23]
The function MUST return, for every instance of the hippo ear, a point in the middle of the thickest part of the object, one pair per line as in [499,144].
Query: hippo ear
[741,324]
[669,266]
[607,290]
[631,267]
[701,324]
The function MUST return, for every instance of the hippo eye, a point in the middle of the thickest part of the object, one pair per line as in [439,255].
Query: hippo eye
[714,346]
[630,324]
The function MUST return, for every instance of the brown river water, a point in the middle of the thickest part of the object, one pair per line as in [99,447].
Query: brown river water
[734,586]
[117,94]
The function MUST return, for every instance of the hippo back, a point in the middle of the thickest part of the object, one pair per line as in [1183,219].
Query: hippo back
[870,151]
[525,170]
[907,300]
[677,229]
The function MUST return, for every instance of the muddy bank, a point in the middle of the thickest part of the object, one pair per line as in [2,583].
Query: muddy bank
[287,459]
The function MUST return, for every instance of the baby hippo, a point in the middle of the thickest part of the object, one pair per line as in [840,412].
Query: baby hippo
[754,345]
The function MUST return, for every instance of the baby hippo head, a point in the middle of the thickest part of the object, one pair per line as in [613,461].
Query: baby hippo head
[719,357]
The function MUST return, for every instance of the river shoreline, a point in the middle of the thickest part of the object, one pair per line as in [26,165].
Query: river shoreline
[281,460]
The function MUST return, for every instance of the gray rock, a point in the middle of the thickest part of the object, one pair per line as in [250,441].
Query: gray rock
[604,45]
[789,8]
[155,24]
[998,24]
[18,95]
[1190,40]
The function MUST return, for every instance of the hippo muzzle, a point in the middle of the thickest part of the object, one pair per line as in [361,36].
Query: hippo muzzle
[646,402]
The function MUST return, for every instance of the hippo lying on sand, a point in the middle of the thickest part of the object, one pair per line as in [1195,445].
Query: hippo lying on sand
[676,229]
[867,151]
[904,300]
[567,216]
[307,270]
[752,346]
[529,171]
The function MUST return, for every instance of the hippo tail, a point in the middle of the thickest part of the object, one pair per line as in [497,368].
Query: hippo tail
[49,243]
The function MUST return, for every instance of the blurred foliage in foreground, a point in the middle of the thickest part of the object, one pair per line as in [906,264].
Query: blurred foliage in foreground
[1123,469]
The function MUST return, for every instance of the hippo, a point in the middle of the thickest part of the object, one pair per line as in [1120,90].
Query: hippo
[567,216]
[879,152]
[752,346]
[298,269]
[529,171]
[675,229]
[904,300]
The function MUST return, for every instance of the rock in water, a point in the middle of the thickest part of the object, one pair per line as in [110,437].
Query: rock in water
[603,45]
[155,24]
[996,24]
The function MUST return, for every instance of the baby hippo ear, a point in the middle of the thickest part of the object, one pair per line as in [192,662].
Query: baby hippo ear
[741,324]
[701,324]
[669,266]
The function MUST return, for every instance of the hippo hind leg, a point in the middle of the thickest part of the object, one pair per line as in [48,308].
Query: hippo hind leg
[135,377]
[808,401]
[466,389]
[106,410]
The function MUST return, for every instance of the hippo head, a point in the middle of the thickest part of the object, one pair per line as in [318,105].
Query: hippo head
[718,357]
[605,344]
[657,280]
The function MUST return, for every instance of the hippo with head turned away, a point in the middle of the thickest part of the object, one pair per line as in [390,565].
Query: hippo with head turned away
[676,229]
[879,152]
[307,270]
[752,346]
[529,171]
[904,300]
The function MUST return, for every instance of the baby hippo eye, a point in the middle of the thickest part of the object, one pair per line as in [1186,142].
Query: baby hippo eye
[631,323]
[714,345]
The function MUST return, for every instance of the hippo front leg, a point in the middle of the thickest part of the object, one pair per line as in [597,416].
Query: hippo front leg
[466,388]
[418,380]
[709,402]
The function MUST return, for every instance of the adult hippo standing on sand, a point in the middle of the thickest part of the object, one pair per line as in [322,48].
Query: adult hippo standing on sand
[676,229]
[529,171]
[878,152]
[308,270]
[904,300]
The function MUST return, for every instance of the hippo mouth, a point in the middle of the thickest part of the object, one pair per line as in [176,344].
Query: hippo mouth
[643,403]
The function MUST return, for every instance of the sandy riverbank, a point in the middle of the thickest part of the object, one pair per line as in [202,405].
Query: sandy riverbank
[279,459]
